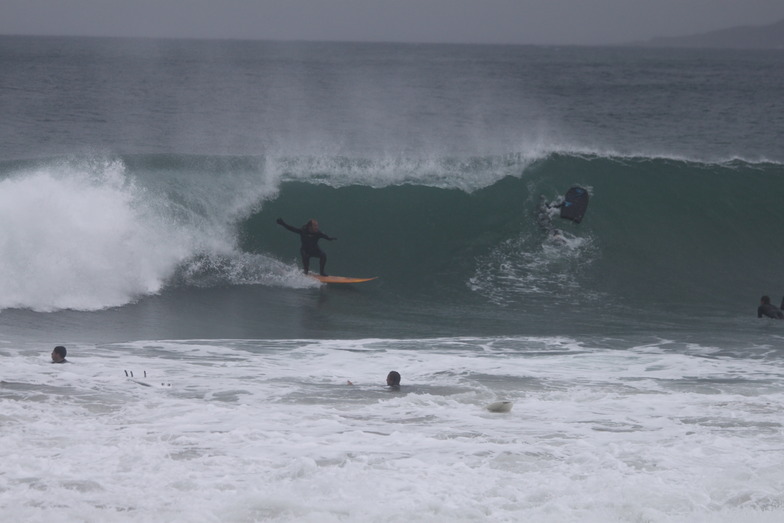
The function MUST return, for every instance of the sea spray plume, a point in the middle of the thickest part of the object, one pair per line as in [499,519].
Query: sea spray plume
[468,173]
[92,233]
[81,239]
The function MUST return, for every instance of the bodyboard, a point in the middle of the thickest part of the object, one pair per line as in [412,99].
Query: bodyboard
[575,204]
[339,279]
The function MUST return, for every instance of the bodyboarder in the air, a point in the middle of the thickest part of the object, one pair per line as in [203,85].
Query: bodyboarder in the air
[309,235]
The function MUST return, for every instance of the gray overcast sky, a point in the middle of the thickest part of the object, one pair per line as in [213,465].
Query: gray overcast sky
[470,21]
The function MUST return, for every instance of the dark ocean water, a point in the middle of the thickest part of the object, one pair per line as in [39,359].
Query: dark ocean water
[427,161]
[140,181]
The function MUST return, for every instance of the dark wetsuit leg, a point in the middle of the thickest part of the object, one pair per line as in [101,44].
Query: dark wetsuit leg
[313,253]
[305,260]
[322,262]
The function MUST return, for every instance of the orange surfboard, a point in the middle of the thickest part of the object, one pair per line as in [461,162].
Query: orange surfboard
[339,279]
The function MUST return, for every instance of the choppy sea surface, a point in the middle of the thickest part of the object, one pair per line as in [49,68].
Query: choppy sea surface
[210,380]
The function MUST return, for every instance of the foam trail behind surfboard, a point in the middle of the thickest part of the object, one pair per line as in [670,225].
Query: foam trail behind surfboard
[340,279]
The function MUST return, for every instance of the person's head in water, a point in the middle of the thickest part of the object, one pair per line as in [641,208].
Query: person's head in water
[312,225]
[58,354]
[393,379]
[765,300]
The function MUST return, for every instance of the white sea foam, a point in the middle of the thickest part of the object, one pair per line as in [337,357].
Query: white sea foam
[71,240]
[533,264]
[271,430]
[467,173]
[85,235]
[238,268]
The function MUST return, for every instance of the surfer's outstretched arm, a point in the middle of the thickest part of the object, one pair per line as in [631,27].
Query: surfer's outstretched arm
[280,221]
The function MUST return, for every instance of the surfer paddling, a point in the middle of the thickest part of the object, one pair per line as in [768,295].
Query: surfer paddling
[58,354]
[393,380]
[309,235]
[768,309]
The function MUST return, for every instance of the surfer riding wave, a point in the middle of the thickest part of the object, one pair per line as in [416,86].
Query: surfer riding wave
[309,235]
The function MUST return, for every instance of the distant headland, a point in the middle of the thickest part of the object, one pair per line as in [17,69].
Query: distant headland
[740,37]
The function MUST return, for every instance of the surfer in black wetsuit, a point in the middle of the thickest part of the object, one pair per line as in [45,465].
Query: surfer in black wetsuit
[767,309]
[309,235]
[393,380]
[58,354]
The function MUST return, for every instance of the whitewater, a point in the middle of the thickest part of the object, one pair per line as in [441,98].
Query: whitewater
[210,380]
